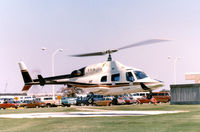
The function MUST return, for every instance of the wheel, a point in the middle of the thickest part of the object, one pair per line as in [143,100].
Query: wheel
[36,106]
[110,104]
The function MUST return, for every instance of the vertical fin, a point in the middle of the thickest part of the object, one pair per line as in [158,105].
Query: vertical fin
[26,76]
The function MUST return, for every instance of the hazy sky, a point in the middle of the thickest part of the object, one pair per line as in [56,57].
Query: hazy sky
[80,26]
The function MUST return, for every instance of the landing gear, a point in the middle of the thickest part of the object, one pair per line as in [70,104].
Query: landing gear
[149,96]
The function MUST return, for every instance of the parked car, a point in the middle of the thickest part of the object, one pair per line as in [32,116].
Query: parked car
[129,100]
[8,104]
[81,101]
[94,97]
[103,102]
[139,95]
[146,100]
[162,96]
[68,101]
[50,101]
[98,97]
[118,101]
[32,104]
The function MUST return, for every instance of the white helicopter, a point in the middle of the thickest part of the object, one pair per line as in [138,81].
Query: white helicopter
[107,78]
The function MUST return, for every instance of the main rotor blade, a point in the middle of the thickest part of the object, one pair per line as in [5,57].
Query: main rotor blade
[146,42]
[90,54]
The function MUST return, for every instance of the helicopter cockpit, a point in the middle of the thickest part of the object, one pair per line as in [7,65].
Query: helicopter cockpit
[140,74]
[78,73]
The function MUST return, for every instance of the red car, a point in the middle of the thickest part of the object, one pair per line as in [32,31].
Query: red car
[146,100]
[129,100]
[118,101]
[162,96]
[32,104]
[8,104]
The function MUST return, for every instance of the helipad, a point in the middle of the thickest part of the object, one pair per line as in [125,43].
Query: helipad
[88,114]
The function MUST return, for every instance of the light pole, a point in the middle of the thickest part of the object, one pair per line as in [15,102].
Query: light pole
[174,66]
[53,66]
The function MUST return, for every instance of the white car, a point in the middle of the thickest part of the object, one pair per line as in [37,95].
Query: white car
[139,95]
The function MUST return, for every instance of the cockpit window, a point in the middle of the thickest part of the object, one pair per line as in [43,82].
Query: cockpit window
[140,75]
[77,73]
[129,77]
[115,77]
[104,79]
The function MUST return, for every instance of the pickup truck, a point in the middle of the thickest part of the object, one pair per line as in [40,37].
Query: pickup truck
[68,101]
[50,101]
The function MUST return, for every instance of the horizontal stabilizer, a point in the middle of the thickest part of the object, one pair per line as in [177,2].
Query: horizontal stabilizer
[26,88]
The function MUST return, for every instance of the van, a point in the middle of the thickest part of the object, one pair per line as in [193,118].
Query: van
[162,96]
[139,94]
[50,101]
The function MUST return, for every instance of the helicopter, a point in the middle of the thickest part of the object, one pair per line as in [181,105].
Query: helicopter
[106,78]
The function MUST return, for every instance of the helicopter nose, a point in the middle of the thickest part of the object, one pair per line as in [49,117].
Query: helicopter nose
[159,80]
[159,83]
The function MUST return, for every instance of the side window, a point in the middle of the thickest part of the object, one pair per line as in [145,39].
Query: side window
[154,94]
[104,79]
[129,77]
[115,77]
[142,94]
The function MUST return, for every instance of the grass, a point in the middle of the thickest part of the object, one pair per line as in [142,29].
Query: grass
[180,122]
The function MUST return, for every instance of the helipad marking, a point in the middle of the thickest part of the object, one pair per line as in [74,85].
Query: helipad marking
[88,114]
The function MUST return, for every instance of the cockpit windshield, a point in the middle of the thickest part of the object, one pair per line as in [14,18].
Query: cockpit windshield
[77,73]
[140,75]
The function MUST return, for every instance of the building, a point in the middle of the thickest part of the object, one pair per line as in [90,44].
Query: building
[185,94]
[12,96]
[193,76]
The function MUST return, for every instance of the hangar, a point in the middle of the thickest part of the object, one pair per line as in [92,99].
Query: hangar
[186,93]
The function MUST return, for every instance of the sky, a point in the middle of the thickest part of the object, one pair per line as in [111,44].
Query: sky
[79,26]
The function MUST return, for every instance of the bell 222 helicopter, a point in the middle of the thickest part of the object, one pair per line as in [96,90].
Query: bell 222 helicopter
[107,78]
